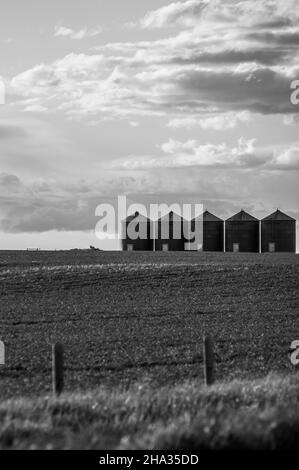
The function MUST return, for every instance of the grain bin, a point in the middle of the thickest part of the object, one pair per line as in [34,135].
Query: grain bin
[170,233]
[278,233]
[242,233]
[212,230]
[137,233]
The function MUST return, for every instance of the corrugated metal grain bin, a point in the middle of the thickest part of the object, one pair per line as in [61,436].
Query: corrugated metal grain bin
[212,231]
[242,233]
[278,233]
[170,233]
[137,233]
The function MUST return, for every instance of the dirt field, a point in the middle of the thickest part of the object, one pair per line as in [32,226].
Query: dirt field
[127,317]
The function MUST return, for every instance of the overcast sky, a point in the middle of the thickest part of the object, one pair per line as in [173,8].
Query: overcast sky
[142,98]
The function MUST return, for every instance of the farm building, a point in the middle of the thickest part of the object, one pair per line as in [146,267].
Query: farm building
[170,233]
[137,233]
[212,232]
[242,233]
[278,233]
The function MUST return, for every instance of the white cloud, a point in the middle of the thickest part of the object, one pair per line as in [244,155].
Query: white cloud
[188,13]
[291,119]
[289,158]
[236,62]
[177,13]
[191,153]
[63,31]
[215,122]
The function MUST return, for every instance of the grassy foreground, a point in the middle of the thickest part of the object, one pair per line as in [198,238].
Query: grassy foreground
[260,414]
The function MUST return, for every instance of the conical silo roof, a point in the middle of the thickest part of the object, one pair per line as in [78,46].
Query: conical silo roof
[278,215]
[209,217]
[242,216]
[137,216]
[171,217]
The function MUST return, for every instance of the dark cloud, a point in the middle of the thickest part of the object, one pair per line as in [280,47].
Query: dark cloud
[10,181]
[277,23]
[262,90]
[287,38]
[260,56]
[9,131]
[47,205]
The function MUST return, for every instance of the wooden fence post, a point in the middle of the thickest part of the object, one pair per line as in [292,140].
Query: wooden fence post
[2,353]
[57,368]
[208,361]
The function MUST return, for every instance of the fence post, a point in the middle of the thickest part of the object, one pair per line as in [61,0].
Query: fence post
[2,354]
[208,361]
[57,368]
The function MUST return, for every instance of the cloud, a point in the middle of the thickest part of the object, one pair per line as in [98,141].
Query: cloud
[9,182]
[216,122]
[289,158]
[11,131]
[191,153]
[232,63]
[63,31]
[220,65]
[42,205]
[188,13]
[177,13]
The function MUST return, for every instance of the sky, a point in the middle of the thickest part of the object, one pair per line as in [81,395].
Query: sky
[158,101]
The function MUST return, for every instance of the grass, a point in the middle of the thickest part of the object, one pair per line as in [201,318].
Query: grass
[260,414]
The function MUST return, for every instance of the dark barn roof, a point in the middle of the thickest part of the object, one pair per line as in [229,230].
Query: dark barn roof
[209,217]
[242,216]
[278,215]
[141,218]
[171,217]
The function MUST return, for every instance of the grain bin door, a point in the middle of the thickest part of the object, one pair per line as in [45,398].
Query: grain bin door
[165,247]
[236,247]
[130,247]
[271,247]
